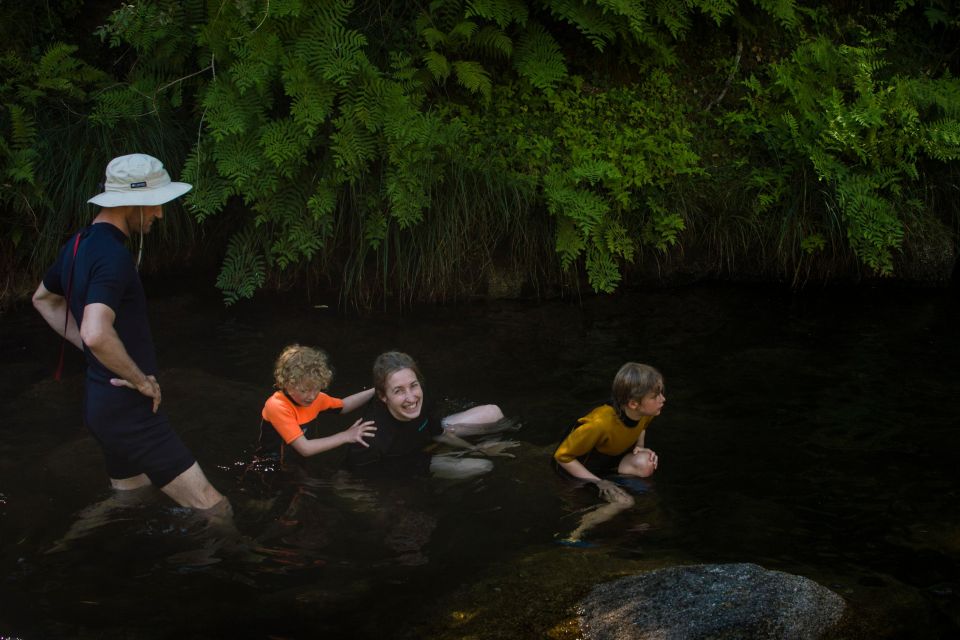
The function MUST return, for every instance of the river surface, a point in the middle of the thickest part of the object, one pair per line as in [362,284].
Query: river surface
[814,433]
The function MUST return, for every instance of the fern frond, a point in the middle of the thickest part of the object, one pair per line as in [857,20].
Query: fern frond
[312,98]
[22,125]
[239,159]
[503,12]
[332,51]
[286,8]
[244,268]
[352,146]
[210,190]
[284,145]
[784,11]
[463,31]
[569,243]
[591,20]
[941,139]
[473,77]
[493,42]
[434,37]
[603,272]
[437,64]
[227,112]
[539,59]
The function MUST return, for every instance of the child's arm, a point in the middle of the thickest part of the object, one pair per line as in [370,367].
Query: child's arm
[640,448]
[609,491]
[357,400]
[356,433]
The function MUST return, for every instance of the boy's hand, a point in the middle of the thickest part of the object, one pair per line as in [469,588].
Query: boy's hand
[361,429]
[610,492]
[654,460]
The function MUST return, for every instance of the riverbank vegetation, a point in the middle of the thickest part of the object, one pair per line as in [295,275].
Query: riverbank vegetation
[390,150]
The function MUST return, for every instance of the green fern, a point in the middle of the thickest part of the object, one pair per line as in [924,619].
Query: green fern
[210,190]
[473,77]
[538,58]
[284,145]
[244,267]
[492,42]
[503,12]
[437,64]
[591,20]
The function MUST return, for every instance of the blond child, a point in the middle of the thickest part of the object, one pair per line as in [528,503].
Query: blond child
[300,375]
[610,440]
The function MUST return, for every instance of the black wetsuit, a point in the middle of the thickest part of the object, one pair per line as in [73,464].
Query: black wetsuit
[134,439]
[399,448]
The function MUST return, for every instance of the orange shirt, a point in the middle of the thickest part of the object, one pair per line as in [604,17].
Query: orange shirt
[286,417]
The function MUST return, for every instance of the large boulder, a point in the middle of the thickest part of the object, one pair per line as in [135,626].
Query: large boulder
[716,602]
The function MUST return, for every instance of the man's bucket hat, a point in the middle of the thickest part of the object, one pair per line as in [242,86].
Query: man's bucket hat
[138,179]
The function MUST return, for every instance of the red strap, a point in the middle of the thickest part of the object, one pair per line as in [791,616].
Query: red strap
[66,316]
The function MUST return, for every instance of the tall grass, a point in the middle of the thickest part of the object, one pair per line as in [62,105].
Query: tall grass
[480,226]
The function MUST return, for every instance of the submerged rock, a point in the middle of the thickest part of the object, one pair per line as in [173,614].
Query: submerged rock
[718,602]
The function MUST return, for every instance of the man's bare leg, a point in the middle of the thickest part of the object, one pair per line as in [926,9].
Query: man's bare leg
[126,492]
[192,489]
[129,484]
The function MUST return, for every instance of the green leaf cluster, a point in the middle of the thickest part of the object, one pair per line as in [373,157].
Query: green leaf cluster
[409,146]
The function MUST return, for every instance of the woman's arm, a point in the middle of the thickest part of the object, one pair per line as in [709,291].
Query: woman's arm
[356,433]
[357,400]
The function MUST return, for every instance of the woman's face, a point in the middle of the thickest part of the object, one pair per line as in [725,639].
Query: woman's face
[403,395]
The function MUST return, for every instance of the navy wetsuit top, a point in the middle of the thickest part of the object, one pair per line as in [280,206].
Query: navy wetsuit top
[104,272]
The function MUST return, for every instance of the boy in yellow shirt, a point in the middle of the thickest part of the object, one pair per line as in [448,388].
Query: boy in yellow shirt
[610,439]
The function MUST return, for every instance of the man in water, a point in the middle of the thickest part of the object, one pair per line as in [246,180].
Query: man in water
[93,297]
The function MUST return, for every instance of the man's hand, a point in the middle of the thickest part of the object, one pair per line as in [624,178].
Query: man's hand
[149,387]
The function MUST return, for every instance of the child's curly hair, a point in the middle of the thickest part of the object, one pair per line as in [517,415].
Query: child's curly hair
[302,367]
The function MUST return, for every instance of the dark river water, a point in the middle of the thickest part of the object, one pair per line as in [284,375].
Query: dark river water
[815,433]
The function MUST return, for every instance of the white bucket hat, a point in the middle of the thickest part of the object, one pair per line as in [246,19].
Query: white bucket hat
[138,179]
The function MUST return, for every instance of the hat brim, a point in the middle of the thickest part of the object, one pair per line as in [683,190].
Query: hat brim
[141,197]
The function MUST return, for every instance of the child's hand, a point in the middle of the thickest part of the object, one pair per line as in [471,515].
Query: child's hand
[654,460]
[611,492]
[361,429]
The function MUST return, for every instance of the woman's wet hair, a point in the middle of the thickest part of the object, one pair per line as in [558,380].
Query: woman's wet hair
[302,367]
[389,363]
[634,381]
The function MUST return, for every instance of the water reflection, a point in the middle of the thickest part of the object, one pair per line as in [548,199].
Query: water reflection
[812,433]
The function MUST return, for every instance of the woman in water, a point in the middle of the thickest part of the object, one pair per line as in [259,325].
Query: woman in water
[409,424]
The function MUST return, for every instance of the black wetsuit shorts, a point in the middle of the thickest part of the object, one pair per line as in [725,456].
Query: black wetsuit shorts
[134,439]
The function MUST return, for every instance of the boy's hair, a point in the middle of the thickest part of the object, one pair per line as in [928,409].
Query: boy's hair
[299,367]
[391,362]
[634,381]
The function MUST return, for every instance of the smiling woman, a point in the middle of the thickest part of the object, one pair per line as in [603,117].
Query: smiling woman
[408,424]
